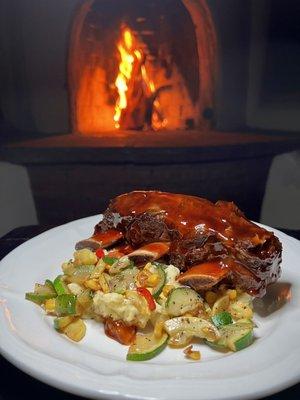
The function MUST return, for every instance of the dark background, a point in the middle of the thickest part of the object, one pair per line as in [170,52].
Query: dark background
[246,156]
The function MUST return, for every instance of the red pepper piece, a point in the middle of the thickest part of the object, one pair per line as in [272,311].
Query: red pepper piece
[100,253]
[148,296]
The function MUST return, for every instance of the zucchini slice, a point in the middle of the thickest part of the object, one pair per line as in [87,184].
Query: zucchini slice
[161,282]
[124,280]
[193,326]
[235,336]
[81,273]
[241,340]
[119,265]
[146,347]
[182,300]
[180,339]
[221,319]
[218,346]
[221,305]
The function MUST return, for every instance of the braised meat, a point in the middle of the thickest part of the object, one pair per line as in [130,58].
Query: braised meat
[208,242]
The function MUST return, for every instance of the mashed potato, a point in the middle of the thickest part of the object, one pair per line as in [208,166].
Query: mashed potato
[171,274]
[132,310]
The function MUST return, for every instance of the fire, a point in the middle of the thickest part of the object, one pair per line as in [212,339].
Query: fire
[127,58]
[157,120]
[132,73]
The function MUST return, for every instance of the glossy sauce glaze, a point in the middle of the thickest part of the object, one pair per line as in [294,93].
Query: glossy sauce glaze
[199,232]
[107,238]
[189,214]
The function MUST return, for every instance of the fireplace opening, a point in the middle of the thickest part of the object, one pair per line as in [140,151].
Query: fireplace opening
[144,66]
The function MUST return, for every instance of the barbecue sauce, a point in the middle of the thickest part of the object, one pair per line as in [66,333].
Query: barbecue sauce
[119,331]
[189,214]
[199,231]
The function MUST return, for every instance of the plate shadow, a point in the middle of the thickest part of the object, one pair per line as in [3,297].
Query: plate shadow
[278,294]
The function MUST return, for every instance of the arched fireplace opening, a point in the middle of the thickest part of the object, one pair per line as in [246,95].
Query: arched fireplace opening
[141,66]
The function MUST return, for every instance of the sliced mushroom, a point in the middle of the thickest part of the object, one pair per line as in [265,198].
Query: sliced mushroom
[101,239]
[149,252]
[203,276]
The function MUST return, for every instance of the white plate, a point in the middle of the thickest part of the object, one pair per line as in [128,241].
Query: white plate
[96,367]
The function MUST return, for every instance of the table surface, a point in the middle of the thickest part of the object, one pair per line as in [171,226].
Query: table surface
[15,384]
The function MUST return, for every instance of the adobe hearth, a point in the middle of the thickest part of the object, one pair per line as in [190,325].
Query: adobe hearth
[141,66]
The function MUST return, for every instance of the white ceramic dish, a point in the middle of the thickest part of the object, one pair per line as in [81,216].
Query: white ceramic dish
[96,367]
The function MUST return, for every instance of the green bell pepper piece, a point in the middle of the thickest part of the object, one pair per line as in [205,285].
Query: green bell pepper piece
[60,286]
[109,260]
[38,298]
[65,304]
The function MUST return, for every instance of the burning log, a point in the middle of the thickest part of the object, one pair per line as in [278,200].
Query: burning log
[133,116]
[136,91]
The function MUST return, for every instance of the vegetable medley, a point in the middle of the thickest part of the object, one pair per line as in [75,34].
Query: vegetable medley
[145,307]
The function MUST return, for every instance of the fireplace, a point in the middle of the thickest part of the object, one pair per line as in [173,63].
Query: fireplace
[141,65]
[109,96]
[188,66]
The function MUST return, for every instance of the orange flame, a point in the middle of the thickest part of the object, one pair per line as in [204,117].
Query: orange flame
[127,55]
[131,62]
